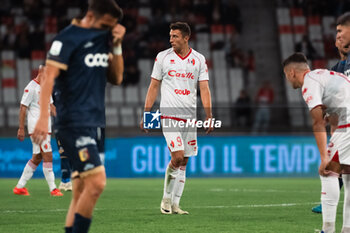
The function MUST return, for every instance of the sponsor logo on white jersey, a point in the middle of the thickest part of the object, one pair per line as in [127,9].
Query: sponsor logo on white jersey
[182,92]
[98,59]
[174,73]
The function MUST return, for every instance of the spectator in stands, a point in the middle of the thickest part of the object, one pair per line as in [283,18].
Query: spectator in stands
[305,46]
[243,109]
[231,14]
[263,100]
[22,42]
[132,74]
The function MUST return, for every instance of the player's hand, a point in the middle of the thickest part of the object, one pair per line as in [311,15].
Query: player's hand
[40,130]
[20,134]
[322,169]
[118,33]
[210,128]
[141,126]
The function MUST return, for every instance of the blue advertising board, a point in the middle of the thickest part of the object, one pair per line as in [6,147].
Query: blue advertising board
[231,156]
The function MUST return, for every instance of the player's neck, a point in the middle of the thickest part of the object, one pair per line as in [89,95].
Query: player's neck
[183,51]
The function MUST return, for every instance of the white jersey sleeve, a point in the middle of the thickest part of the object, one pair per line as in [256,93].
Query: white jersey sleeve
[203,72]
[157,68]
[312,92]
[27,96]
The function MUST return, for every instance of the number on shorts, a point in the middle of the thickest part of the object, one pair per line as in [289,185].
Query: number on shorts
[178,139]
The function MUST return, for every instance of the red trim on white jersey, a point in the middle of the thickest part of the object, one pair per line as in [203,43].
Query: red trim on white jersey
[183,58]
[36,81]
[343,126]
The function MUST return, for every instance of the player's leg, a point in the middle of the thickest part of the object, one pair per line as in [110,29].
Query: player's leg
[78,185]
[81,147]
[169,180]
[66,183]
[189,136]
[329,200]
[92,189]
[176,146]
[46,152]
[179,188]
[346,209]
[28,171]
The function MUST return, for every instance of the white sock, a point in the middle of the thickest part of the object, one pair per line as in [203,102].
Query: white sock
[179,185]
[329,200]
[346,209]
[169,182]
[49,175]
[27,173]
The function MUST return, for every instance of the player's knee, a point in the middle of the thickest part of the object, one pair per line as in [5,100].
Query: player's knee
[176,161]
[184,162]
[47,156]
[97,189]
[36,159]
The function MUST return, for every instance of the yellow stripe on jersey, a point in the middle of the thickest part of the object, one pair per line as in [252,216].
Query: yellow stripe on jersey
[57,64]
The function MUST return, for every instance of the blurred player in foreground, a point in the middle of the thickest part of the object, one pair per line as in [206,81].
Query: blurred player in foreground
[41,151]
[327,92]
[82,57]
[177,71]
[339,67]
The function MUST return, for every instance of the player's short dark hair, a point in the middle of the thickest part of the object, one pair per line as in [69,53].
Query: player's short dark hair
[101,7]
[183,27]
[344,19]
[295,58]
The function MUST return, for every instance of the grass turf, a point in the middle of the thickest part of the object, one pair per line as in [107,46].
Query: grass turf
[215,204]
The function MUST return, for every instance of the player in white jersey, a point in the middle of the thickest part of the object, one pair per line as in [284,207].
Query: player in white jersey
[327,92]
[30,107]
[177,72]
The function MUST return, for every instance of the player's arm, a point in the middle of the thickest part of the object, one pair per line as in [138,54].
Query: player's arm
[151,97]
[22,117]
[206,101]
[116,61]
[320,133]
[47,81]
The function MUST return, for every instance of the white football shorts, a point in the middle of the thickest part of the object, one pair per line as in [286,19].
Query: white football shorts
[44,147]
[180,138]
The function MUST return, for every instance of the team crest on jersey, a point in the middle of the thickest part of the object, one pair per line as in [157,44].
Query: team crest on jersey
[192,61]
[84,154]
[172,61]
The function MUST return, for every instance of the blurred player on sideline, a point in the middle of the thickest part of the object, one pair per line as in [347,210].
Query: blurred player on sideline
[41,151]
[82,57]
[177,71]
[327,92]
[339,67]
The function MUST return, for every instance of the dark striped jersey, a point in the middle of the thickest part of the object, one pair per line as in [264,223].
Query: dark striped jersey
[81,54]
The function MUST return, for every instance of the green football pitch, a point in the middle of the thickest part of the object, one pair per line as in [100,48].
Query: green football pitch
[215,205]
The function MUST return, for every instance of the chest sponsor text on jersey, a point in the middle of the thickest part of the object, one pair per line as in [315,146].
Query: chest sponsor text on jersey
[174,73]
